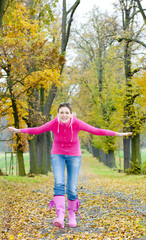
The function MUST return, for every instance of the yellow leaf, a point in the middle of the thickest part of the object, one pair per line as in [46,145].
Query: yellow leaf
[11,237]
[20,234]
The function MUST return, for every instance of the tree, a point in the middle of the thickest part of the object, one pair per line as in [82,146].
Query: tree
[111,88]
[92,42]
[38,98]
[48,100]
[66,27]
[129,37]
[21,45]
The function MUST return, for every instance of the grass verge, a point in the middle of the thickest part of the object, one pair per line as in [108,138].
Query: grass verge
[92,164]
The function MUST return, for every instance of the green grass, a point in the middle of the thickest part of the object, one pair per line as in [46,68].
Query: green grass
[93,164]
[26,179]
[120,158]
[143,155]
[5,163]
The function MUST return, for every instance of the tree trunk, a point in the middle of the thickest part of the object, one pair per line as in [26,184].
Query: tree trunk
[49,147]
[66,24]
[127,156]
[90,147]
[20,159]
[136,155]
[95,151]
[100,71]
[111,159]
[128,103]
[39,146]
[41,140]
[41,153]
[2,8]
[33,156]
[102,156]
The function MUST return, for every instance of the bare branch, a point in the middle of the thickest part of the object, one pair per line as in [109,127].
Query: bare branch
[6,140]
[88,44]
[90,90]
[136,70]
[74,6]
[66,33]
[141,10]
[135,14]
[131,40]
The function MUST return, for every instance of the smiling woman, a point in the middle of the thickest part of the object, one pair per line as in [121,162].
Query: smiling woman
[66,151]
[64,112]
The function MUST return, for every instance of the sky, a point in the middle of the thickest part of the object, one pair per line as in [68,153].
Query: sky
[87,5]
[80,14]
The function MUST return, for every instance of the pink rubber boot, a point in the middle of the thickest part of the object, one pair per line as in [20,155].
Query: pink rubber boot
[73,206]
[59,202]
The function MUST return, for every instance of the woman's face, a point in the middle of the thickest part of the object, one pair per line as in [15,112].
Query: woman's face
[64,114]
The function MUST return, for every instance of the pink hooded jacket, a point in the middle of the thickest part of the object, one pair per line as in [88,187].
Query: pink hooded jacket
[66,139]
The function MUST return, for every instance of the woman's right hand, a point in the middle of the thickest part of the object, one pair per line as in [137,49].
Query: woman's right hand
[15,130]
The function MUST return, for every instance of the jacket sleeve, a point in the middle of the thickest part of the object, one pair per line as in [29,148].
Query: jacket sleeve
[37,130]
[96,131]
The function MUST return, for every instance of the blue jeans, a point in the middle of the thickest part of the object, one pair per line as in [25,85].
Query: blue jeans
[73,165]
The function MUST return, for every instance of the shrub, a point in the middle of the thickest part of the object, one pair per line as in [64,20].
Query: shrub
[135,169]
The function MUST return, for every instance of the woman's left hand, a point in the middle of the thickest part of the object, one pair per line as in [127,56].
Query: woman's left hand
[123,134]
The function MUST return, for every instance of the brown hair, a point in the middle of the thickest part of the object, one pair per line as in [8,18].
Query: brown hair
[65,105]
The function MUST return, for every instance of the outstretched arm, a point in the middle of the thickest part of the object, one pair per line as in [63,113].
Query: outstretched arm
[102,132]
[36,130]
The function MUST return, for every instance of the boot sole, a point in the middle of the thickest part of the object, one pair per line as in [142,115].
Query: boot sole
[58,224]
[72,225]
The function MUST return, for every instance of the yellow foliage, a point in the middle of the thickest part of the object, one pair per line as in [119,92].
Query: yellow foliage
[140,81]
[43,78]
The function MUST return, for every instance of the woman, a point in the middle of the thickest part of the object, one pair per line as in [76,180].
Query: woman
[66,150]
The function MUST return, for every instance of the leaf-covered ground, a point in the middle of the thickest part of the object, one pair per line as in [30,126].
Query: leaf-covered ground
[110,209]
